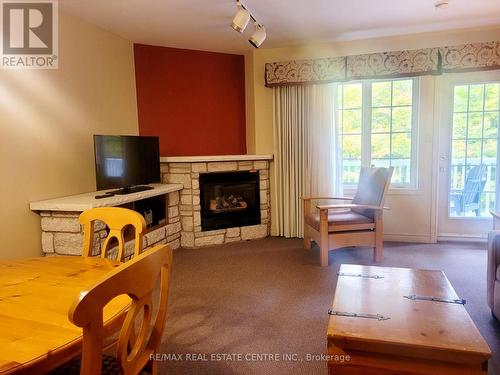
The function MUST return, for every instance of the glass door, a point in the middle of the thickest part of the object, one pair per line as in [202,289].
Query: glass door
[469,154]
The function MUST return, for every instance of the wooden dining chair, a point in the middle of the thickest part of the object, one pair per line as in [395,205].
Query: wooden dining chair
[137,279]
[358,223]
[117,219]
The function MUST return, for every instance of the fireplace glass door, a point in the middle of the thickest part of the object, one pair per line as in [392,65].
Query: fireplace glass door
[229,199]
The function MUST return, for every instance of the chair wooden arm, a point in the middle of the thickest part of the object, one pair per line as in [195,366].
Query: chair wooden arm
[335,198]
[496,215]
[350,205]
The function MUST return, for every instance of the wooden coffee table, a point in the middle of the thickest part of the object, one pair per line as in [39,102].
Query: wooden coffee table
[383,332]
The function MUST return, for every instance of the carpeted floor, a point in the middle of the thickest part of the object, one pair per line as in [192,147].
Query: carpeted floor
[232,302]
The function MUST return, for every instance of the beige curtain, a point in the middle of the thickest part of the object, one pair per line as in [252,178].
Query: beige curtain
[307,151]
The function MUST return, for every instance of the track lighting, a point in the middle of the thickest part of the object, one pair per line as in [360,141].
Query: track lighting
[258,36]
[241,20]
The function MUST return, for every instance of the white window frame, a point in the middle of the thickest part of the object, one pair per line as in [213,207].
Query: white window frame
[366,134]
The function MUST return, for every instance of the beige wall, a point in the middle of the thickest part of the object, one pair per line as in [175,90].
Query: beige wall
[47,119]
[416,204]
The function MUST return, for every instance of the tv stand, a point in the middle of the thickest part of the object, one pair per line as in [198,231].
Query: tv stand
[130,190]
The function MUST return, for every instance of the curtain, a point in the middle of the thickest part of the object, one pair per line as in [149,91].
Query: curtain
[307,151]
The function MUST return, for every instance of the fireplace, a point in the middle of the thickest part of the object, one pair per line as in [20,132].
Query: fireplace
[229,199]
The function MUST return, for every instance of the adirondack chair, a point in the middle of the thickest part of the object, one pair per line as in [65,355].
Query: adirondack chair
[469,197]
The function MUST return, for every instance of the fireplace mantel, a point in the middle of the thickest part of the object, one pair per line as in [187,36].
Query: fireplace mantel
[201,159]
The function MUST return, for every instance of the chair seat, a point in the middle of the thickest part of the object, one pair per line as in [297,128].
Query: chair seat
[338,219]
[109,367]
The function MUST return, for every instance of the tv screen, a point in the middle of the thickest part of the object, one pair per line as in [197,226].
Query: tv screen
[125,161]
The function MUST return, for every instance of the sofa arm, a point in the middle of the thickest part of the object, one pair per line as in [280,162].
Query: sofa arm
[493,263]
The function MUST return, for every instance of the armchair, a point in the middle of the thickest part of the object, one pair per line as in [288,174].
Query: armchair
[493,273]
[359,223]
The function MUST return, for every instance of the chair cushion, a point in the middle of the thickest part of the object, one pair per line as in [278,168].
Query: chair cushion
[337,219]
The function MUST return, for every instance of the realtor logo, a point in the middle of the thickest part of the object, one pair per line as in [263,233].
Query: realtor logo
[29,34]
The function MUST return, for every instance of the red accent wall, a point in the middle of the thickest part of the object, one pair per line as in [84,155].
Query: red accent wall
[193,100]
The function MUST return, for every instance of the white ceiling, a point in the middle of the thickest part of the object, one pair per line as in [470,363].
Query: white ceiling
[205,25]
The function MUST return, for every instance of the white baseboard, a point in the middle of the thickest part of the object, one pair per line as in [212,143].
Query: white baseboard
[405,237]
[457,237]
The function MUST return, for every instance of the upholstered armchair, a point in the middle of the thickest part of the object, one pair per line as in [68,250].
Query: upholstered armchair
[493,273]
[359,223]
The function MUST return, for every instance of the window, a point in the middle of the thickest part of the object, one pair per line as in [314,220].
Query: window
[377,121]
[476,110]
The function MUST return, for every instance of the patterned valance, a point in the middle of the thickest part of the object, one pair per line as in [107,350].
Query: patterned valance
[467,57]
[332,69]
[470,57]
[393,64]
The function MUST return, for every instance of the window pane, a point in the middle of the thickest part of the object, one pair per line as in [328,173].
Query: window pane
[401,119]
[476,97]
[461,98]
[381,120]
[351,147]
[381,94]
[402,92]
[351,170]
[401,146]
[351,121]
[475,125]
[490,152]
[492,100]
[458,153]
[352,96]
[402,173]
[459,125]
[474,152]
[386,163]
[490,125]
[381,146]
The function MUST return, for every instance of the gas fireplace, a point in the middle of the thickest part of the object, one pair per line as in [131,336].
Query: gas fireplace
[229,199]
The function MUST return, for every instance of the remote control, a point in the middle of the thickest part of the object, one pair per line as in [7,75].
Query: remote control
[103,196]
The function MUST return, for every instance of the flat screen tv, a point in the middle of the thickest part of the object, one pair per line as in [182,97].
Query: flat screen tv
[126,162]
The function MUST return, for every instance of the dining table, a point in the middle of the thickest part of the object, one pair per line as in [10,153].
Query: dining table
[36,294]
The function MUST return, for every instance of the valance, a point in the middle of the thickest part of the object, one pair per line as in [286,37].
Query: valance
[394,64]
[470,57]
[331,69]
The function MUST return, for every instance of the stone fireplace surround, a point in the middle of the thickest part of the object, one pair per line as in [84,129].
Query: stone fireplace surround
[186,171]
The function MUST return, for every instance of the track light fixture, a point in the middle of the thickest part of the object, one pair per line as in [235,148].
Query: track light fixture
[241,20]
[258,36]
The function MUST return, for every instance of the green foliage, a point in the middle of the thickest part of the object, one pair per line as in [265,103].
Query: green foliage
[352,96]
[492,100]
[381,94]
[402,92]
[351,147]
[381,120]
[461,98]
[351,121]
[476,93]
[401,119]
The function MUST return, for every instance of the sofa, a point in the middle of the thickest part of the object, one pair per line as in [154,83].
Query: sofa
[493,276]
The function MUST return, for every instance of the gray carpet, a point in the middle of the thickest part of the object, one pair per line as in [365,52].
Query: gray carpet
[270,296]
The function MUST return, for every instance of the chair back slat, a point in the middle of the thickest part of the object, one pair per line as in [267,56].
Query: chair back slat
[117,220]
[137,279]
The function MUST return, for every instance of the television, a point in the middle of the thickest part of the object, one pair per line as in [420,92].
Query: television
[126,162]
